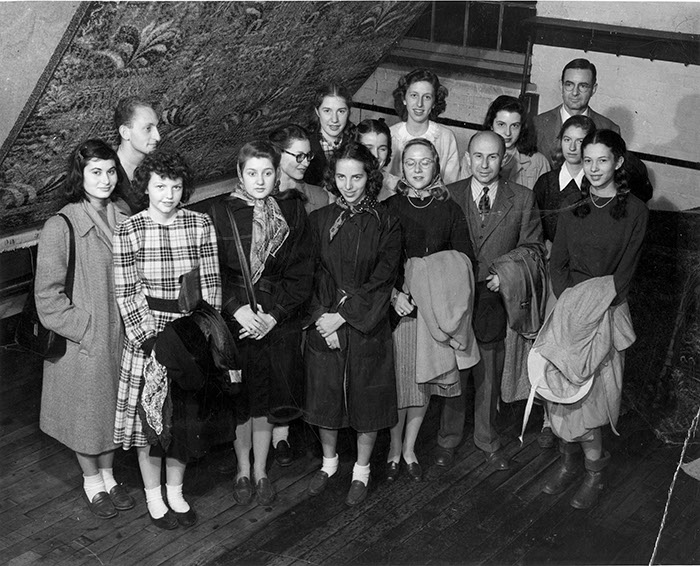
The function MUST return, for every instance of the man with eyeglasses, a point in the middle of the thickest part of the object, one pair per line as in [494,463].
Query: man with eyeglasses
[578,85]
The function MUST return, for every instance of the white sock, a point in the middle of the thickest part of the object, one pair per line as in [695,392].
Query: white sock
[154,500]
[175,500]
[279,433]
[360,473]
[108,477]
[93,485]
[330,465]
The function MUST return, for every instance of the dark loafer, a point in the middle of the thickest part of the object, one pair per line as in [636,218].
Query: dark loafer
[102,506]
[283,454]
[444,457]
[265,491]
[497,460]
[318,483]
[121,498]
[243,491]
[546,438]
[167,522]
[392,471]
[357,494]
[415,472]
[186,519]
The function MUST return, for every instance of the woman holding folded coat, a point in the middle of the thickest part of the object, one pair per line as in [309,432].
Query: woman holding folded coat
[430,223]
[152,251]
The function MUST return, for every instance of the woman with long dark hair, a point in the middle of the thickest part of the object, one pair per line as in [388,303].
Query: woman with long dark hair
[596,250]
[79,392]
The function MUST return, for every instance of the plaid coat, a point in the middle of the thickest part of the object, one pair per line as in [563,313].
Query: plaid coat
[149,258]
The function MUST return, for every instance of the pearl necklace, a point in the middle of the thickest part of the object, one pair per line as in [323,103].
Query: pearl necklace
[593,197]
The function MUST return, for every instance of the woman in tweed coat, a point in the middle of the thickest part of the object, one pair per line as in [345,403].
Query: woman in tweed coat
[152,249]
[80,389]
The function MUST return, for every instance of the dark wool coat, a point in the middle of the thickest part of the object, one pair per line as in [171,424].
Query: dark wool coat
[354,386]
[272,368]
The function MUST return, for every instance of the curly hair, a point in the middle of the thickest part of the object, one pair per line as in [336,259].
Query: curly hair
[527,142]
[372,126]
[356,152]
[578,121]
[168,164]
[439,190]
[73,186]
[617,146]
[415,76]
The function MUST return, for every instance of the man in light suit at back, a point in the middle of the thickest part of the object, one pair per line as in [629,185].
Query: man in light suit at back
[501,216]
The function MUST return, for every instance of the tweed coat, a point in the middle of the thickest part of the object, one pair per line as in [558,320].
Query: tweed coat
[79,393]
[548,124]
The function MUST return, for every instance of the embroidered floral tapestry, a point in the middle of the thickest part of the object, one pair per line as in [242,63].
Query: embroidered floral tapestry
[220,74]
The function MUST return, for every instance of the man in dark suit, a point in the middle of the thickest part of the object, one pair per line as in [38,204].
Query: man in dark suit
[501,216]
[578,85]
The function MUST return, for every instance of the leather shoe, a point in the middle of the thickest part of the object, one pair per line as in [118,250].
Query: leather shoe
[243,491]
[444,457]
[392,471]
[186,519]
[546,438]
[283,454]
[358,493]
[415,472]
[497,460]
[167,522]
[318,483]
[265,491]
[102,506]
[121,499]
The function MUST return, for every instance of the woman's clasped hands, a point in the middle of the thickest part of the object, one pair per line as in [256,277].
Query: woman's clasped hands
[254,325]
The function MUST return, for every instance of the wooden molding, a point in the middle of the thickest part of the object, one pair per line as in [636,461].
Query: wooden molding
[618,40]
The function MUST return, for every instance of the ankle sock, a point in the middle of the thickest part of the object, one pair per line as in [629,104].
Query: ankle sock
[360,473]
[330,465]
[279,433]
[175,500]
[108,477]
[154,500]
[93,485]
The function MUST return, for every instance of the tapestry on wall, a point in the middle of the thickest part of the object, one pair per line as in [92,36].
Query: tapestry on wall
[220,73]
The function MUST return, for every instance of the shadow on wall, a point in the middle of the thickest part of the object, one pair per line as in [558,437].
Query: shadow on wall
[686,124]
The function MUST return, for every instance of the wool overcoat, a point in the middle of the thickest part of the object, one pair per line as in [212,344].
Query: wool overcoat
[79,394]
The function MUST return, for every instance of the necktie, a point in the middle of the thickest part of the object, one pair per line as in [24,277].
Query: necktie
[484,203]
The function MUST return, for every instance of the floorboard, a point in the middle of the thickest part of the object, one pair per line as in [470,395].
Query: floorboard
[467,514]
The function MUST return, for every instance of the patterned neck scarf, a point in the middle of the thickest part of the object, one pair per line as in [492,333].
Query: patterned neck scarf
[270,230]
[404,188]
[368,204]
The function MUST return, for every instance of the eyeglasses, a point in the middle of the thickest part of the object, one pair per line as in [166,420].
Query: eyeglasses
[424,163]
[300,156]
[582,87]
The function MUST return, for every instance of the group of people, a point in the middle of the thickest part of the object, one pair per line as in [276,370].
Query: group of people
[349,277]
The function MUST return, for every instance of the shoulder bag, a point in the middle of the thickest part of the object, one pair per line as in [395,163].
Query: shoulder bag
[30,334]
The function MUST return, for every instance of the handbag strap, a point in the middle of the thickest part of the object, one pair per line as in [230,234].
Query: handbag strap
[245,268]
[70,274]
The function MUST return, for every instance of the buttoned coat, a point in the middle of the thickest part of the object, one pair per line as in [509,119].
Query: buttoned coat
[548,124]
[79,394]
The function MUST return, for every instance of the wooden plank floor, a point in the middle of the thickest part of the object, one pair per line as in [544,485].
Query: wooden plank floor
[464,515]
